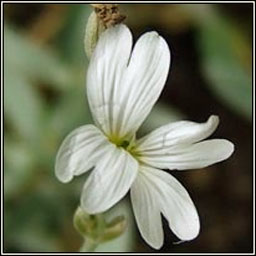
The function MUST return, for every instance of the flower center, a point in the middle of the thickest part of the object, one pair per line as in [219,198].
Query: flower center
[128,145]
[124,144]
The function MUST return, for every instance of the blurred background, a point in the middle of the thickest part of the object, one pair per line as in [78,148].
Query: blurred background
[44,99]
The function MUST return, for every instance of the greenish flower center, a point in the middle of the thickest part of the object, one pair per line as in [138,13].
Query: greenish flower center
[128,145]
[124,144]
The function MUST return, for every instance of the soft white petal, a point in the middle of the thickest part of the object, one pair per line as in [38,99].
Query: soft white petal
[109,181]
[105,71]
[79,151]
[144,81]
[193,156]
[173,201]
[177,133]
[147,212]
[121,96]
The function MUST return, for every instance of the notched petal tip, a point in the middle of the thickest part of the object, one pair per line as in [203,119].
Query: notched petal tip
[79,151]
[228,148]
[191,226]
[152,33]
[214,120]
[156,40]
[191,233]
[63,177]
[211,124]
[156,246]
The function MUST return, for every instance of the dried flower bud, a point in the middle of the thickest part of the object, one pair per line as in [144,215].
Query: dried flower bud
[103,17]
[109,14]
[93,30]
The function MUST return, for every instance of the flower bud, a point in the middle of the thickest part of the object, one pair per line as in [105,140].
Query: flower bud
[104,16]
[95,228]
[84,223]
[93,30]
[114,229]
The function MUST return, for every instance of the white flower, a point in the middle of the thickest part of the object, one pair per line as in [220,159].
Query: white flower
[122,87]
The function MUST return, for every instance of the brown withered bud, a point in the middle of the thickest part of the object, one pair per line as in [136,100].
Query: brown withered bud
[109,14]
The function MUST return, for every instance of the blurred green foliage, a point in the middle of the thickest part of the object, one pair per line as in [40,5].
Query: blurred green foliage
[44,99]
[36,122]
[224,46]
[226,59]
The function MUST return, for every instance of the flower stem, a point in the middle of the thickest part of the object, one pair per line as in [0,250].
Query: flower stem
[88,246]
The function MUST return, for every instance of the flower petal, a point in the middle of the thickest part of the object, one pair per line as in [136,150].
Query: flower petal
[143,81]
[109,181]
[79,151]
[173,201]
[121,96]
[147,212]
[194,156]
[177,133]
[105,71]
